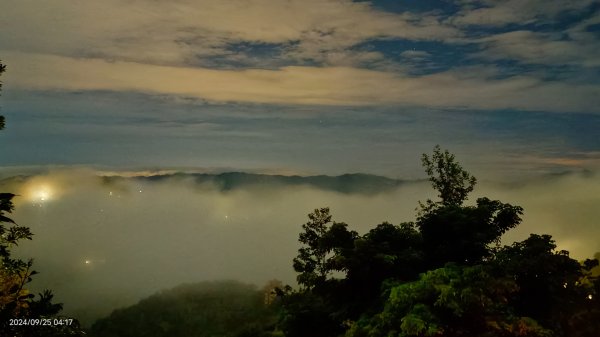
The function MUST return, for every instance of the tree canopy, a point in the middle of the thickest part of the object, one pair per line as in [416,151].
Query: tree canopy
[445,274]
[211,309]
[2,69]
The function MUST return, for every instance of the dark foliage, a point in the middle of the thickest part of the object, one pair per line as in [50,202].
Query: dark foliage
[463,234]
[444,275]
[2,69]
[213,309]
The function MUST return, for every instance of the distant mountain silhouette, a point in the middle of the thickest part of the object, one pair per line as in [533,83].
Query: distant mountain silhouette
[355,183]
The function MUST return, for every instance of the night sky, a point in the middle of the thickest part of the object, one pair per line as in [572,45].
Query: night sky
[302,86]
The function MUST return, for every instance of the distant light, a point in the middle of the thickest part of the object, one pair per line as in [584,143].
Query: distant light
[42,195]
[88,261]
[40,192]
[110,193]
[590,297]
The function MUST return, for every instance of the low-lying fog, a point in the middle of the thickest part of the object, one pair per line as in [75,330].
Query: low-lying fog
[102,244]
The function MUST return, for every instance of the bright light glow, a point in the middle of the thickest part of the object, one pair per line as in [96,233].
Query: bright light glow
[40,191]
[42,194]
[88,261]
[590,296]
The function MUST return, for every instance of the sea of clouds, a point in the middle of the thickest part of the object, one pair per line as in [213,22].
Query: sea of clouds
[101,243]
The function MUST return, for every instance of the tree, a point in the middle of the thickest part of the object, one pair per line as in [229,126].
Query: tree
[206,309]
[474,288]
[465,234]
[446,274]
[553,288]
[453,232]
[16,302]
[386,252]
[527,289]
[322,243]
[318,307]
[2,69]
[15,273]
[448,178]
[452,301]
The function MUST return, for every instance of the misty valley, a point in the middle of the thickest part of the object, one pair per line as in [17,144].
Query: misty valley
[226,254]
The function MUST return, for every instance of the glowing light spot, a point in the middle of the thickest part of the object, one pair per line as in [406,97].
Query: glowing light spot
[42,195]
[590,296]
[88,261]
[40,191]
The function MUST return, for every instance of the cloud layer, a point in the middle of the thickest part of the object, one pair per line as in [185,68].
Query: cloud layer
[475,89]
[311,52]
[125,239]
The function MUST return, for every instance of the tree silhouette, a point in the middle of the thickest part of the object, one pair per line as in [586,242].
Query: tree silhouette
[2,69]
[453,232]
[322,239]
[447,177]
[446,274]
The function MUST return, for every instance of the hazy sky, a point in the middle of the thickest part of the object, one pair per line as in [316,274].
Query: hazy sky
[309,86]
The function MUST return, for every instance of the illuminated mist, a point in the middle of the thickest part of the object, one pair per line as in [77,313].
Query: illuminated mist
[123,239]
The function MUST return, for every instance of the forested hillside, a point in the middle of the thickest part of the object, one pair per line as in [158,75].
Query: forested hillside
[216,309]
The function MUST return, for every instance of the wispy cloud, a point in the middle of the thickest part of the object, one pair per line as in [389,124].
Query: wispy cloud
[185,32]
[296,52]
[504,12]
[304,85]
[541,48]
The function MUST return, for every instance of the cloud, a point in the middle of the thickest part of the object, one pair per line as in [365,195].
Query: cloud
[415,54]
[128,238]
[562,206]
[141,236]
[505,12]
[186,32]
[551,33]
[573,160]
[541,48]
[463,88]
[302,52]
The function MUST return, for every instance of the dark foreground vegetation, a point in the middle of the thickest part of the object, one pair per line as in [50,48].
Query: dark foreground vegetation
[445,274]
[226,308]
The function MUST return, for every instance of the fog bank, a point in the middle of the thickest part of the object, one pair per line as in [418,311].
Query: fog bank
[103,243]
